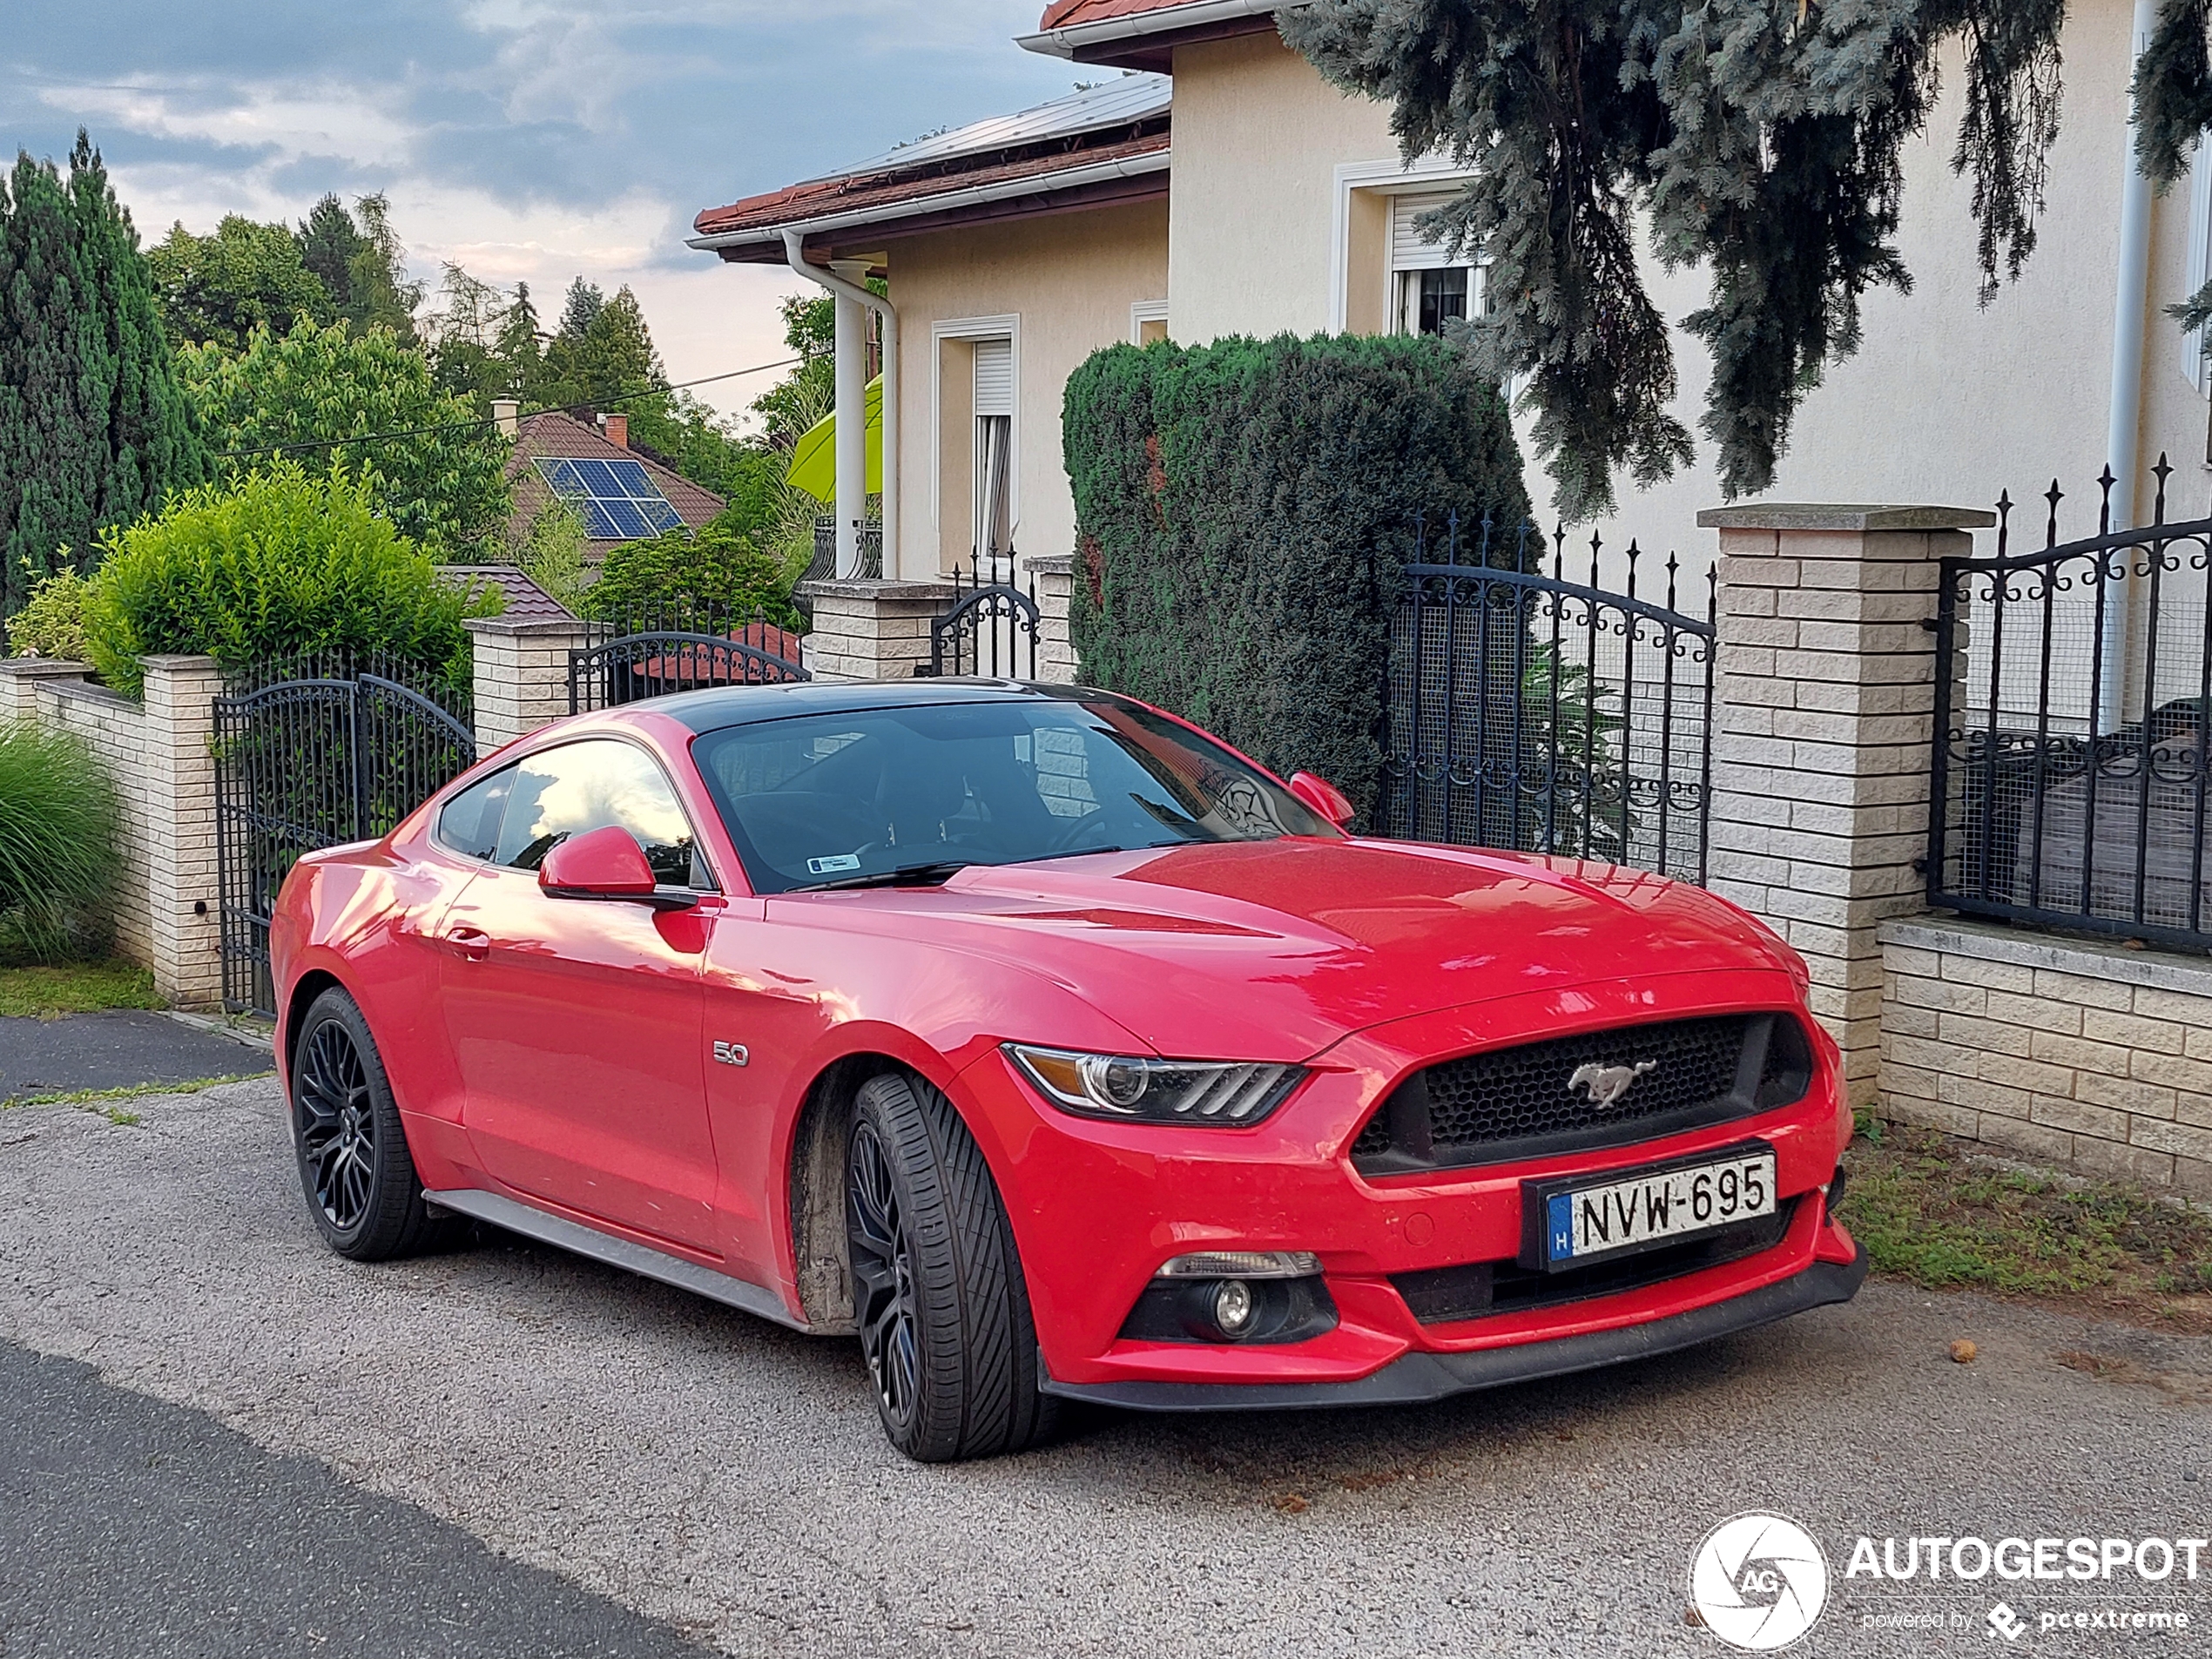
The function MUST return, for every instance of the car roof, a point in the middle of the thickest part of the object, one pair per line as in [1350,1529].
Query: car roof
[730,705]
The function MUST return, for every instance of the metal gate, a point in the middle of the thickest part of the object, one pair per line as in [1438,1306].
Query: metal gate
[985,630]
[685,648]
[316,758]
[1528,711]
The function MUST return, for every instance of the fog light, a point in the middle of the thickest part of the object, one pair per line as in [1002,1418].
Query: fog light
[1233,1307]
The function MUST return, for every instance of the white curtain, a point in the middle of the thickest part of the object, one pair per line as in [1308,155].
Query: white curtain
[994,490]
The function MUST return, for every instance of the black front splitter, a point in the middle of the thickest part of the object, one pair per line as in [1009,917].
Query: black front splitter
[1417,1378]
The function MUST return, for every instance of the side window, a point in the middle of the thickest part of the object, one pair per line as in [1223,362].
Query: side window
[583,786]
[469,823]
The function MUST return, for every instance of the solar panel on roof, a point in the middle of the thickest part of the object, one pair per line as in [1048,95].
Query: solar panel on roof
[618,500]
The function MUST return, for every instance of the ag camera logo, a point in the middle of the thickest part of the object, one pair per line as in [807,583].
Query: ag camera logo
[1759,1582]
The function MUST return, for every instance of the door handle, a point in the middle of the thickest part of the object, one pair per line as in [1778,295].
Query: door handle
[469,943]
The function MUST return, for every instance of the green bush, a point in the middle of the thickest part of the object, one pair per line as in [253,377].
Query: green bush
[51,622]
[681,571]
[57,845]
[1244,510]
[282,563]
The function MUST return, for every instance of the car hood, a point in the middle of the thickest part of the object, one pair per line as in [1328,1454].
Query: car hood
[1278,949]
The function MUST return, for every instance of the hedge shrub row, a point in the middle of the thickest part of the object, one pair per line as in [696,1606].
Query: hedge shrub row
[1244,510]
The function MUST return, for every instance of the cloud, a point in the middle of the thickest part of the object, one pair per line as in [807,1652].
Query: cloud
[529,141]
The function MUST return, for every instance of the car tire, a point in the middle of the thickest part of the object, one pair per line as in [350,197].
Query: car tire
[355,1171]
[937,1285]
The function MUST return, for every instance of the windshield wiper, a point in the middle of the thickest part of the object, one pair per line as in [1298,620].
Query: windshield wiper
[909,875]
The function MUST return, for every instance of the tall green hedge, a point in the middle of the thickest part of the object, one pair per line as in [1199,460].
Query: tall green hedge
[1243,512]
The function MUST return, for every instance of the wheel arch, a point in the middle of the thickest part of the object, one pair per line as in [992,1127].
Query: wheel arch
[309,986]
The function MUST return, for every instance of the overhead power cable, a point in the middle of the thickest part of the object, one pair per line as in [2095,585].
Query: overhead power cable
[474,425]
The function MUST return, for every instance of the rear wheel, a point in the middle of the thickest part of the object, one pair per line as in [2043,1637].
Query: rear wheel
[937,1285]
[355,1168]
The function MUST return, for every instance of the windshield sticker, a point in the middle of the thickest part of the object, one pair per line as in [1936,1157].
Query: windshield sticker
[837,865]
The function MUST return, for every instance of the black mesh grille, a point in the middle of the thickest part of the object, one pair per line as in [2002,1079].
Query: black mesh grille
[1523,1101]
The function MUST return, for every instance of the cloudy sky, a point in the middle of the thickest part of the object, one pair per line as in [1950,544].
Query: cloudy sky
[525,139]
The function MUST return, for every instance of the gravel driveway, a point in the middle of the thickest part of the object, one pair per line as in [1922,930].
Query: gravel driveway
[726,1479]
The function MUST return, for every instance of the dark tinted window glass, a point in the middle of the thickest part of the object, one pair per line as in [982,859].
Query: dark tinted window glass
[840,797]
[584,786]
[469,822]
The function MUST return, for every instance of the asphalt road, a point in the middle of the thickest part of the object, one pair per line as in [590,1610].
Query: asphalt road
[508,1408]
[120,1049]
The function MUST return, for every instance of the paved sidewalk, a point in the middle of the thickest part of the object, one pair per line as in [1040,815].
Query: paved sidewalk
[722,1477]
[123,1049]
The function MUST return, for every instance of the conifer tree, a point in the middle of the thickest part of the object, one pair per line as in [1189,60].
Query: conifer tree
[1760,139]
[93,427]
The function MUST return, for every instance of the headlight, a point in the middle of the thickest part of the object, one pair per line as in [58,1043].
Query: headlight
[1223,1093]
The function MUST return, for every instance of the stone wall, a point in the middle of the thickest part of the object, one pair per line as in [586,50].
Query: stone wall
[2084,1055]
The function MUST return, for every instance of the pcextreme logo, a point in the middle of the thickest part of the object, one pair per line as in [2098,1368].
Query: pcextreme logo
[1759,1582]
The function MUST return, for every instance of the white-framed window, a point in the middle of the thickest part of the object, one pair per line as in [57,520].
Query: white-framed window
[1148,322]
[1429,285]
[975,444]
[1388,277]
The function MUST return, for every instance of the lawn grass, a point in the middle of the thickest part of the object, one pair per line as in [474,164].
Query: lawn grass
[1934,1210]
[82,988]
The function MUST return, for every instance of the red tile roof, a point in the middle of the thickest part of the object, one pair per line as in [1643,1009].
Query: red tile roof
[860,193]
[1061,13]
[552,434]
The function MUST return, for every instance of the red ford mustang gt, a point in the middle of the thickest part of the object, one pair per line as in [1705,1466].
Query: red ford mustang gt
[1059,1052]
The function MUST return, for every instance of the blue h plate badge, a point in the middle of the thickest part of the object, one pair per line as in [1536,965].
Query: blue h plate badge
[1561,1224]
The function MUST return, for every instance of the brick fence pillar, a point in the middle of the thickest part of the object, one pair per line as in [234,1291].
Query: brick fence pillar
[21,678]
[1822,754]
[521,674]
[1056,590]
[866,628]
[184,888]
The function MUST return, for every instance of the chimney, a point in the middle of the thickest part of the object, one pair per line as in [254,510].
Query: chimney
[506,416]
[617,428]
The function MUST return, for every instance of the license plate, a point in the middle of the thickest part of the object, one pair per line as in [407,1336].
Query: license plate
[1591,1219]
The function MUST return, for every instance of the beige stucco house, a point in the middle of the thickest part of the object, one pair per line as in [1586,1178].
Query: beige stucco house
[1214,184]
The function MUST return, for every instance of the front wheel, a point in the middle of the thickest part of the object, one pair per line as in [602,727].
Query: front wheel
[937,1285]
[355,1168]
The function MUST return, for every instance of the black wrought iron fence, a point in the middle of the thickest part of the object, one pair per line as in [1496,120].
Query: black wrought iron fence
[315,752]
[679,648]
[991,629]
[2073,687]
[1530,712]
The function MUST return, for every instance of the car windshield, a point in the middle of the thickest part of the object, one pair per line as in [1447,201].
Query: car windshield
[832,800]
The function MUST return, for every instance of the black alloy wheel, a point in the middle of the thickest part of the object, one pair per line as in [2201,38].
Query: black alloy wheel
[358,1177]
[883,1280]
[938,1294]
[337,1126]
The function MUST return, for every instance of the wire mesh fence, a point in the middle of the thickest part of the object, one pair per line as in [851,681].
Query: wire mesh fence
[2073,682]
[1530,712]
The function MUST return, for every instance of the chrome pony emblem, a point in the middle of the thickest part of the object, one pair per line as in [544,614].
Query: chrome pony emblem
[1607,1085]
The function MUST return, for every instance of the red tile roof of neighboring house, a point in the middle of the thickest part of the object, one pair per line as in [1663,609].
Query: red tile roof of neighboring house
[1117,134]
[554,435]
[824,197]
[526,601]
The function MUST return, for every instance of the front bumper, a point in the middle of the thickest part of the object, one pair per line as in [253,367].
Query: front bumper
[1098,1206]
[1420,1376]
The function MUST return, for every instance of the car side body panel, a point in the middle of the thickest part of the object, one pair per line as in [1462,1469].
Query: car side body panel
[1362,961]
